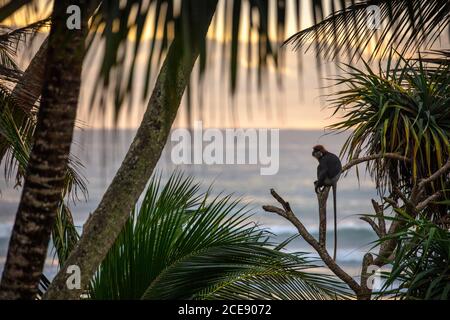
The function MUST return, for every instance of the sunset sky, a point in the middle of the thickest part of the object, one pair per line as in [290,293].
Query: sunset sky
[298,103]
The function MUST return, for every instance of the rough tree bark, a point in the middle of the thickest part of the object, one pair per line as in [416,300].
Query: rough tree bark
[106,222]
[28,90]
[48,159]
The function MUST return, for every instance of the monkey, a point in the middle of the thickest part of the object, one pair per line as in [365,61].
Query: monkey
[328,173]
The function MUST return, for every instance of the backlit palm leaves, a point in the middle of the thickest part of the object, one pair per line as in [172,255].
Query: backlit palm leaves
[183,245]
[113,26]
[403,110]
[421,267]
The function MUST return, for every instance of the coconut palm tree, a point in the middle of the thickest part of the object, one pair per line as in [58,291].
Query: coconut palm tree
[114,204]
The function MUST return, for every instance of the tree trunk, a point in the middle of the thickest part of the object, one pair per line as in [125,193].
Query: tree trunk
[48,159]
[28,90]
[106,222]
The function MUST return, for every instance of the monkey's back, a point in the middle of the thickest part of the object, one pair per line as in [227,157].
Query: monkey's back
[332,163]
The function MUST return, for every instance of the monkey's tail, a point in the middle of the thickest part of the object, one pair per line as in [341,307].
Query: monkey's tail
[335,222]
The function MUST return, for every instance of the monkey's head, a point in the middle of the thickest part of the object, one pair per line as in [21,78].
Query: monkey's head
[318,151]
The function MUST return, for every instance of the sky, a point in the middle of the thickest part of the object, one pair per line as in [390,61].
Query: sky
[298,103]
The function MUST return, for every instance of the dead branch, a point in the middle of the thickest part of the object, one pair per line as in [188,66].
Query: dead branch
[287,213]
[380,215]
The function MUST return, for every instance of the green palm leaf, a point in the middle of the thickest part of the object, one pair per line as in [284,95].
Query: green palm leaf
[421,266]
[406,25]
[183,245]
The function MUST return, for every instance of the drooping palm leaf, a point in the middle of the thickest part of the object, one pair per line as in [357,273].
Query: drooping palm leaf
[181,244]
[404,110]
[64,234]
[116,22]
[19,145]
[406,25]
[10,38]
[421,267]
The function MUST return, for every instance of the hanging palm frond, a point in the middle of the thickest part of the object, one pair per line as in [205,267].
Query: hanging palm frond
[19,144]
[183,245]
[404,110]
[10,38]
[406,25]
[64,235]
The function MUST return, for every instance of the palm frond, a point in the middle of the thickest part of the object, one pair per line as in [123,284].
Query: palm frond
[437,57]
[406,25]
[116,22]
[19,144]
[402,110]
[64,234]
[183,245]
[10,38]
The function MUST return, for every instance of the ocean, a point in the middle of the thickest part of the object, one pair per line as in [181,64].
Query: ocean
[102,151]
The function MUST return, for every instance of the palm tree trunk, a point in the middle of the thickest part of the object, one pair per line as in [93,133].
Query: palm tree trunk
[106,222]
[47,166]
[28,90]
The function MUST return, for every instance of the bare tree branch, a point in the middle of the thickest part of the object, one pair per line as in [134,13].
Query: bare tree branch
[323,253]
[380,215]
[443,170]
[391,202]
[423,204]
[373,225]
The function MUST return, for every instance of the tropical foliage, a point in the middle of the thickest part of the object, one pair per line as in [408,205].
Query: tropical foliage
[406,25]
[403,110]
[400,110]
[421,265]
[181,244]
